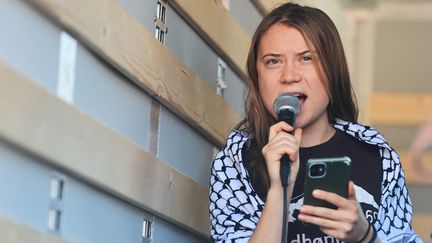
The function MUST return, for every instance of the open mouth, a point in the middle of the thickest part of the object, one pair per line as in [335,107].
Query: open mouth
[301,97]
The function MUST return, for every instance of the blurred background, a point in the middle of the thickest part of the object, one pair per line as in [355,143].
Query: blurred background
[112,110]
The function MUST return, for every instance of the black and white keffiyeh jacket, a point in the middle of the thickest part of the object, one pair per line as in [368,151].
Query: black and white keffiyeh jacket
[235,207]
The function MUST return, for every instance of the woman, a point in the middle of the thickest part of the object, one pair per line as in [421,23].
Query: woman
[298,50]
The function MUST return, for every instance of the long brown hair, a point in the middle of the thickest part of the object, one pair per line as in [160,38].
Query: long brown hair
[319,32]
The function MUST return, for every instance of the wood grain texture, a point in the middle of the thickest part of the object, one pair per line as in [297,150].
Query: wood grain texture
[107,29]
[266,6]
[58,133]
[216,25]
[399,108]
[13,232]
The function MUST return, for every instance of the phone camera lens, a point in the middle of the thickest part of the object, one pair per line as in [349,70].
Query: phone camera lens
[317,170]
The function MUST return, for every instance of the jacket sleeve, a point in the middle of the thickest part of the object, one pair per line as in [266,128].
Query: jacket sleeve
[394,221]
[234,209]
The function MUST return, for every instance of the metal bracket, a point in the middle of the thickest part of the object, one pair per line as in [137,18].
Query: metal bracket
[160,21]
[220,80]
[57,186]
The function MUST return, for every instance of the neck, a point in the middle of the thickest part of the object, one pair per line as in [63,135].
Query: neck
[316,134]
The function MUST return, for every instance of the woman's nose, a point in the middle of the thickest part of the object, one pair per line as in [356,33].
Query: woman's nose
[290,73]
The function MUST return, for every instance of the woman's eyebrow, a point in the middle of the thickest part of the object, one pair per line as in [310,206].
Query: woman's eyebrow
[271,55]
[304,52]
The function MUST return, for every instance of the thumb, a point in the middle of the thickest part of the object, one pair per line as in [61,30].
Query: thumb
[351,191]
[298,135]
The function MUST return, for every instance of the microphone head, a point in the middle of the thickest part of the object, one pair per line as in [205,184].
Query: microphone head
[287,101]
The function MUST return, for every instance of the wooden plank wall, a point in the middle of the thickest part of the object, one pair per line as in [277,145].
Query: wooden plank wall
[66,138]
[145,61]
[406,109]
[400,108]
[214,23]
[12,232]
[143,180]
[267,5]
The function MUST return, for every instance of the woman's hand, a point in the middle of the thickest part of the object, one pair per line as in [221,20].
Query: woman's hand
[422,141]
[346,223]
[282,142]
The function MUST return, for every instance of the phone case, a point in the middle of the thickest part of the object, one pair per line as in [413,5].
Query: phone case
[335,179]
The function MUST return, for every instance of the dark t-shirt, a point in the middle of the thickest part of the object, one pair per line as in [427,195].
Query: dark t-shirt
[366,172]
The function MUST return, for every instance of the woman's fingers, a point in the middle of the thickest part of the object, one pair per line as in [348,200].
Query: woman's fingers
[325,223]
[330,197]
[281,142]
[326,213]
[298,137]
[279,127]
[347,222]
[340,224]
[337,200]
[351,191]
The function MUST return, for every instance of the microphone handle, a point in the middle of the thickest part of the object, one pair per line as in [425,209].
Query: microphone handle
[287,116]
[285,170]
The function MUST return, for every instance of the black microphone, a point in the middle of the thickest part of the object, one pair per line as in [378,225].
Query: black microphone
[286,106]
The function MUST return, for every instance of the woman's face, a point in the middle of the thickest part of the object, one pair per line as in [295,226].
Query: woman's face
[285,63]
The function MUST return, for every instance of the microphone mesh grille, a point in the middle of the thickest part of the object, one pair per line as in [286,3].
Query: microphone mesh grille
[286,101]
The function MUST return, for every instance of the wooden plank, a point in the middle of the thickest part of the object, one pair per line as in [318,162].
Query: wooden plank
[399,108]
[411,175]
[266,6]
[110,31]
[216,25]
[261,9]
[13,232]
[403,11]
[422,224]
[44,125]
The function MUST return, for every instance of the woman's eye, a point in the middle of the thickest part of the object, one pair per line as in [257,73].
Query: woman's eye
[272,61]
[307,58]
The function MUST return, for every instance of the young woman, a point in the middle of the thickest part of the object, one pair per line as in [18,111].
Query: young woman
[298,50]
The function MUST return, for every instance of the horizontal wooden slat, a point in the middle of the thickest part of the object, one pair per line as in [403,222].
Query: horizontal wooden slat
[266,6]
[12,232]
[261,9]
[399,108]
[418,11]
[215,24]
[107,29]
[39,122]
